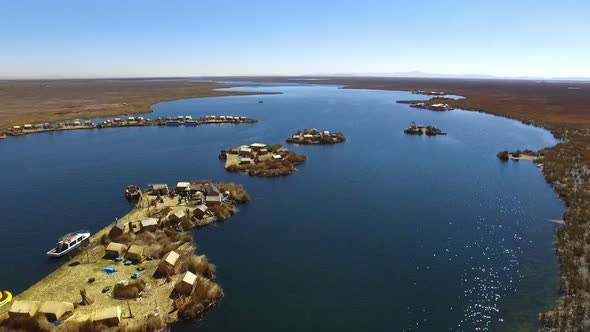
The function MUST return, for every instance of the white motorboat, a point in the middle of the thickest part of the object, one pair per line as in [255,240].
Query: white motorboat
[68,243]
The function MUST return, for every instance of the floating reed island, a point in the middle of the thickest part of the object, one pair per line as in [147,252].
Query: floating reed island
[519,155]
[140,273]
[315,136]
[423,130]
[182,120]
[439,104]
[261,160]
[429,92]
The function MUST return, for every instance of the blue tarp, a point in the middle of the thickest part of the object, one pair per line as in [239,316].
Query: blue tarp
[109,270]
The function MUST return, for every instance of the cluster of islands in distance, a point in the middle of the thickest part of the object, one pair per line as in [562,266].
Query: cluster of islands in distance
[142,272]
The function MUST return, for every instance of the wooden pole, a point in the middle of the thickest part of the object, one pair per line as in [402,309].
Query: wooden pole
[129,307]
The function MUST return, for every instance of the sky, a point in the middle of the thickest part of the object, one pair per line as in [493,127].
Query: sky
[167,38]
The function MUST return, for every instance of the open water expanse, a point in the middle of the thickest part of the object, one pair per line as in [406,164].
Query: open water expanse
[384,232]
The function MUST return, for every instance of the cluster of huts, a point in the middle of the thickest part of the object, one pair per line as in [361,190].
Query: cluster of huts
[315,136]
[28,127]
[429,92]
[420,129]
[433,107]
[250,154]
[224,118]
[205,195]
[185,120]
[55,311]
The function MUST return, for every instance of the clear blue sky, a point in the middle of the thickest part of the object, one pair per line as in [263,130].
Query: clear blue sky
[104,38]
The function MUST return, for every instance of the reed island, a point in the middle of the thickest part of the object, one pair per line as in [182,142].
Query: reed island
[262,160]
[140,273]
[315,136]
[519,155]
[439,104]
[423,130]
[181,120]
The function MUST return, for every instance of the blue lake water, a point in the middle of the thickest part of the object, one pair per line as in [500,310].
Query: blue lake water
[385,231]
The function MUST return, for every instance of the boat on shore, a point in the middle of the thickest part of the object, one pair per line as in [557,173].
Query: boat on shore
[68,243]
[132,191]
[5,297]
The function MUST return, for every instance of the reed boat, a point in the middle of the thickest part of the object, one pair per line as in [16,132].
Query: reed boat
[132,191]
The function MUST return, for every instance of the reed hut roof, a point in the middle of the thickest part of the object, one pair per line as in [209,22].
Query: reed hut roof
[147,222]
[171,258]
[54,310]
[135,252]
[110,316]
[24,308]
[115,248]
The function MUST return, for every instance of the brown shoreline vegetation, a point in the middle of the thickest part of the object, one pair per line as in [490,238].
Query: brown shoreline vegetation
[564,109]
[159,280]
[261,160]
[40,101]
[315,136]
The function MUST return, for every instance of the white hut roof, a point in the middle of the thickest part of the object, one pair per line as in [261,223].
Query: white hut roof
[149,222]
[189,278]
[179,214]
[171,258]
[183,185]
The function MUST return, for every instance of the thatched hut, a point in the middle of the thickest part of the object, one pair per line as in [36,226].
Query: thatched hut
[212,189]
[196,187]
[115,250]
[110,316]
[186,283]
[54,310]
[24,309]
[168,263]
[245,151]
[135,253]
[158,189]
[258,146]
[182,186]
[246,161]
[178,217]
[213,200]
[117,230]
[135,226]
[149,225]
[201,211]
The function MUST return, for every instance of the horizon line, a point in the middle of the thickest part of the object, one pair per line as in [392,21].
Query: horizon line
[408,75]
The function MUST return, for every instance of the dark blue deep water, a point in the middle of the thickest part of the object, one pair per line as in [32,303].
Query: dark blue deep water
[385,231]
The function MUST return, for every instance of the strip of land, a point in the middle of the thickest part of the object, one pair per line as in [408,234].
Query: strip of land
[40,101]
